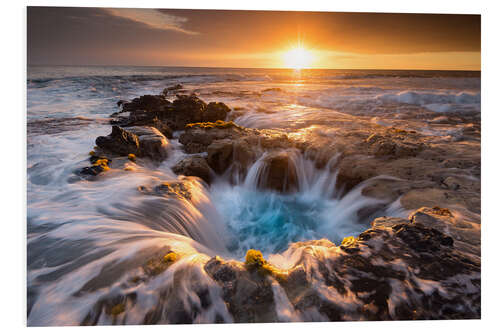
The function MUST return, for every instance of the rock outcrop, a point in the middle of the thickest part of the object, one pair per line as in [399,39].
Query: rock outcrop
[157,111]
[140,141]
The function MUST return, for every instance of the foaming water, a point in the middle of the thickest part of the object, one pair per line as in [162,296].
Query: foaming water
[270,221]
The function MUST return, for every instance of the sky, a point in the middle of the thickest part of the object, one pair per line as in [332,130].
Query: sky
[251,39]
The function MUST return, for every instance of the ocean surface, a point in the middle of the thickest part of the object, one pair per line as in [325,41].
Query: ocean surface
[86,237]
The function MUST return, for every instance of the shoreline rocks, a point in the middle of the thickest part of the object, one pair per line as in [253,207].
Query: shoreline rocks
[424,267]
[141,141]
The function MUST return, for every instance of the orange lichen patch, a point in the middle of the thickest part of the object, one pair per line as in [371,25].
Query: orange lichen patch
[92,153]
[117,309]
[131,157]
[217,124]
[254,259]
[103,163]
[159,264]
[128,168]
[348,241]
[170,257]
[441,211]
[398,130]
[180,189]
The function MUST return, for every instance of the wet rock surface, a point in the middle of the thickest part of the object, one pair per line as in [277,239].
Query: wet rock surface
[279,173]
[193,166]
[141,141]
[167,116]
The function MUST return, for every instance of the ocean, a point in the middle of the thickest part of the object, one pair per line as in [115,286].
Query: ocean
[86,238]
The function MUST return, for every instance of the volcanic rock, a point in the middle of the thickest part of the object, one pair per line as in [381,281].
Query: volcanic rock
[215,111]
[169,90]
[140,141]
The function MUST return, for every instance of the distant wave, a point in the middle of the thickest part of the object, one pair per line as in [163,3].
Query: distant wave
[438,102]
[187,78]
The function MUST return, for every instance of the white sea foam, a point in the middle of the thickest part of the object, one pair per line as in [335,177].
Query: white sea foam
[435,101]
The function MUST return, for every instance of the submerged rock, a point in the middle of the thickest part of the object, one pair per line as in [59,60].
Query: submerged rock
[179,189]
[99,165]
[169,90]
[279,173]
[193,166]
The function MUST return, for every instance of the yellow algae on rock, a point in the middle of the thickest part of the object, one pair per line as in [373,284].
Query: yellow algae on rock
[117,309]
[254,259]
[348,241]
[103,163]
[170,257]
[217,124]
[441,211]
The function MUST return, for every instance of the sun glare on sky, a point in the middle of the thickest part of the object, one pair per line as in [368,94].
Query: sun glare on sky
[298,58]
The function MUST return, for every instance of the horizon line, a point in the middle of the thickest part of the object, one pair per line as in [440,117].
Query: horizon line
[277,68]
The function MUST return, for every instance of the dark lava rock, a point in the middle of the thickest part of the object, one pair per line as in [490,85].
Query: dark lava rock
[220,155]
[99,165]
[248,295]
[193,166]
[121,102]
[120,142]
[169,90]
[147,102]
[141,141]
[215,111]
[187,109]
[92,170]
[156,111]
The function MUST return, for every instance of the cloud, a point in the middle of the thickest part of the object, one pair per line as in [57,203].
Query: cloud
[153,18]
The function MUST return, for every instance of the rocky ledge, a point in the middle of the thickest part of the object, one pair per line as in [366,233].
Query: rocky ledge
[424,267]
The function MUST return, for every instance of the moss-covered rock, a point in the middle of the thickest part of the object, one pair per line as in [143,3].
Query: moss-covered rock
[216,124]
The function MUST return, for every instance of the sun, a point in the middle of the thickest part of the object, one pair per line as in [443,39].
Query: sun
[298,58]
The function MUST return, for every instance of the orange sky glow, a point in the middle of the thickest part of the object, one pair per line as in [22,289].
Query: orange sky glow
[263,39]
